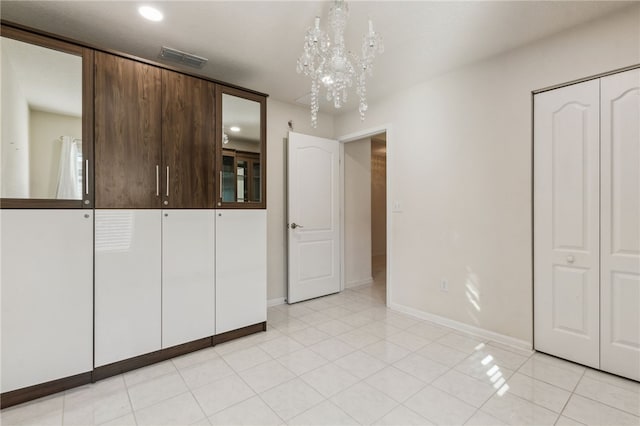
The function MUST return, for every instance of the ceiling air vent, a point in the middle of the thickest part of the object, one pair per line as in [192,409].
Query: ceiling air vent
[181,57]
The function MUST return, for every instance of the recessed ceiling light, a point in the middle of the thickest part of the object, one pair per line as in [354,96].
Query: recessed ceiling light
[150,13]
[234,128]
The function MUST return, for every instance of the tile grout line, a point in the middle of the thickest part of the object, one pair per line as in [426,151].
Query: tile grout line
[255,393]
[189,390]
[133,411]
[605,404]
[506,382]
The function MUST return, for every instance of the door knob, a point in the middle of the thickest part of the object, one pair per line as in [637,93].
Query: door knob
[570,259]
[295,225]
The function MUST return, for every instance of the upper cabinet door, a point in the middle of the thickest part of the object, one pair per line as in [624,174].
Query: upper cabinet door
[47,122]
[241,155]
[188,141]
[127,133]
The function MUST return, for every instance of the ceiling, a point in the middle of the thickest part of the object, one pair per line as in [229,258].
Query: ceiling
[256,44]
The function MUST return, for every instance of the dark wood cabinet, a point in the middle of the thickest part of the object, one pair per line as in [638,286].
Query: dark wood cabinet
[32,142]
[241,155]
[188,141]
[155,136]
[127,133]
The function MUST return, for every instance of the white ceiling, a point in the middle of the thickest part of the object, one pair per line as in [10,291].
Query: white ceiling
[256,44]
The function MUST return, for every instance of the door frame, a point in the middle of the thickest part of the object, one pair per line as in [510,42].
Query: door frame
[350,137]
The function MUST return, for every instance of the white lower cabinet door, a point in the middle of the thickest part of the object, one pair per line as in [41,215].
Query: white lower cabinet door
[620,229]
[241,268]
[127,284]
[47,295]
[188,278]
[566,223]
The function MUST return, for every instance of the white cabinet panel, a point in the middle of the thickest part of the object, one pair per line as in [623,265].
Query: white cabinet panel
[241,268]
[127,284]
[566,223]
[188,280]
[47,295]
[620,230]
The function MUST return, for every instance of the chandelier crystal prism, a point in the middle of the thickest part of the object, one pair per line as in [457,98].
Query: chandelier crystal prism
[329,64]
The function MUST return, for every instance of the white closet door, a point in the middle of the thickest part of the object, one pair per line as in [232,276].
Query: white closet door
[241,268]
[566,223]
[47,295]
[620,248]
[188,281]
[127,284]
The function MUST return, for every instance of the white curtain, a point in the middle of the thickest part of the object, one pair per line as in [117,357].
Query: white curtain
[69,186]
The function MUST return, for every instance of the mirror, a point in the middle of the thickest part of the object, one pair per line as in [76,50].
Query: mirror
[241,150]
[41,139]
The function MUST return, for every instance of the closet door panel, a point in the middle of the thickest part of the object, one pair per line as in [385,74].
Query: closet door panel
[127,284]
[620,210]
[241,268]
[188,141]
[188,280]
[47,295]
[127,133]
[566,223]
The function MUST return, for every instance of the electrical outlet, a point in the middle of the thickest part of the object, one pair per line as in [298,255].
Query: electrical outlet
[444,285]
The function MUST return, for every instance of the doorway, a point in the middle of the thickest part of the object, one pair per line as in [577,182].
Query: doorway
[365,216]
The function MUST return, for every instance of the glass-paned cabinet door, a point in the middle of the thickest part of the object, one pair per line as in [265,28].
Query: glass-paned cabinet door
[44,146]
[242,149]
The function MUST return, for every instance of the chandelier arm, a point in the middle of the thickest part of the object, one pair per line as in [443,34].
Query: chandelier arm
[329,64]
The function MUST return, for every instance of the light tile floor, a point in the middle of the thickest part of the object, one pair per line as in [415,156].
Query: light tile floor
[346,359]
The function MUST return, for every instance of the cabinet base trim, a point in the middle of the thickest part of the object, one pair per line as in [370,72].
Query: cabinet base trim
[240,332]
[18,396]
[129,364]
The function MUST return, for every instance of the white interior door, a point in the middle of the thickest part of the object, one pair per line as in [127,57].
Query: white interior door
[313,216]
[566,223]
[620,210]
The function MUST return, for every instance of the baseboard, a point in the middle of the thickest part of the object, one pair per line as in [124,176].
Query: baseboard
[275,302]
[241,332]
[460,326]
[18,396]
[358,283]
[119,367]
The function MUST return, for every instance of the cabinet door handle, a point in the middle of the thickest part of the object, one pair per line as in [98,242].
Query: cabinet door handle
[86,176]
[167,181]
[220,185]
[157,180]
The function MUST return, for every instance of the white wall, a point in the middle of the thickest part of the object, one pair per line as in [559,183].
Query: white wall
[278,115]
[460,164]
[15,135]
[357,212]
[45,145]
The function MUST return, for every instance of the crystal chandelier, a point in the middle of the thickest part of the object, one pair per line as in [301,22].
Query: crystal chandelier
[328,62]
